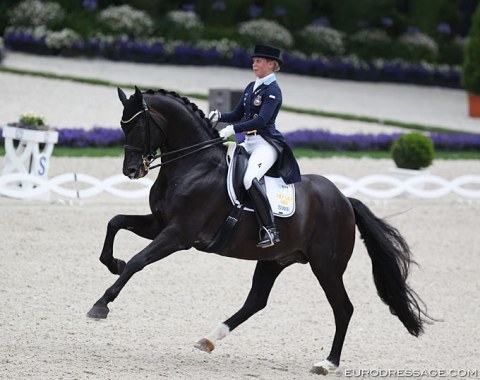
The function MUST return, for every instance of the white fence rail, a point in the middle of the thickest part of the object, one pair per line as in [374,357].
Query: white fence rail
[81,186]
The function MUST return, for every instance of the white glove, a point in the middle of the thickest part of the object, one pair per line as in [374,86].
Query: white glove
[214,116]
[226,132]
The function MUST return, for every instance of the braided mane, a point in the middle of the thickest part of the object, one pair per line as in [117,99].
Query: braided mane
[183,99]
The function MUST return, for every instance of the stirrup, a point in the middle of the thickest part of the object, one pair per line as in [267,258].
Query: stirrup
[270,237]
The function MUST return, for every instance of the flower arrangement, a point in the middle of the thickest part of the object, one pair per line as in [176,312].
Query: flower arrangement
[266,32]
[31,121]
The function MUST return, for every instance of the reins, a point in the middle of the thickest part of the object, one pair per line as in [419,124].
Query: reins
[200,146]
[148,157]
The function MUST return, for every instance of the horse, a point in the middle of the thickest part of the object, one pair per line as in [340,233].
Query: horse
[321,232]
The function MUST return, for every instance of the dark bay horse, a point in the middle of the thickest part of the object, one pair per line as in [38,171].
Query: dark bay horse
[193,171]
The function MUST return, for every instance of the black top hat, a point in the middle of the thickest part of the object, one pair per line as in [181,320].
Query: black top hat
[268,52]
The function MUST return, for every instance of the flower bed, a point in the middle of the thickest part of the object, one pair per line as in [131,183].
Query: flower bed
[307,139]
[201,53]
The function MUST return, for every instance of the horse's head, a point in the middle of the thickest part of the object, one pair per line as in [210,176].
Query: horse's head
[142,134]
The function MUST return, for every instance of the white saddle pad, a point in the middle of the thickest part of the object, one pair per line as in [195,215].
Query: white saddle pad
[280,195]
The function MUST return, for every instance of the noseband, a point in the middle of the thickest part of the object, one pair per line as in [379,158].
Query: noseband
[149,155]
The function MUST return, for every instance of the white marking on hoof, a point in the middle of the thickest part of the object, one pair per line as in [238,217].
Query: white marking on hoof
[323,367]
[219,332]
[207,344]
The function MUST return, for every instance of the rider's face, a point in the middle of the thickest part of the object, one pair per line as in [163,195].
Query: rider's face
[262,67]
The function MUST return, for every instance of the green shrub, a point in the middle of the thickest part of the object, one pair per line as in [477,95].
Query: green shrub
[182,25]
[416,47]
[471,63]
[125,20]
[413,151]
[451,52]
[322,40]
[34,13]
[267,32]
[370,44]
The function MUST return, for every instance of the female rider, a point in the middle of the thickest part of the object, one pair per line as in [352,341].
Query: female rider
[267,147]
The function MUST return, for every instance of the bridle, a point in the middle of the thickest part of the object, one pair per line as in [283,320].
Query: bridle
[149,154]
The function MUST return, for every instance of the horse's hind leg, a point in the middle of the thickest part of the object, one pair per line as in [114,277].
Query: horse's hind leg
[330,278]
[146,226]
[266,272]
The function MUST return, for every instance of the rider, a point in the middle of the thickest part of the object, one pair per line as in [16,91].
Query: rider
[258,110]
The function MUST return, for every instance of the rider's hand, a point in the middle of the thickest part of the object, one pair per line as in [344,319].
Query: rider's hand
[226,132]
[214,116]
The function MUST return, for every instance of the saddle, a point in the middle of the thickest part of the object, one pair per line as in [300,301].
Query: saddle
[280,195]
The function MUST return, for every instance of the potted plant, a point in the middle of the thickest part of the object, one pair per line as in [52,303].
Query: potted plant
[471,66]
[31,121]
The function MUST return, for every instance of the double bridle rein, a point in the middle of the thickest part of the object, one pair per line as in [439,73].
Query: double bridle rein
[149,155]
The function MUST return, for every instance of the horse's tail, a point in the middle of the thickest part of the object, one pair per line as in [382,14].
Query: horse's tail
[391,260]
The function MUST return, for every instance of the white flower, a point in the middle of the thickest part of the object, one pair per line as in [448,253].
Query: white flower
[185,19]
[324,39]
[124,19]
[32,13]
[266,31]
[61,39]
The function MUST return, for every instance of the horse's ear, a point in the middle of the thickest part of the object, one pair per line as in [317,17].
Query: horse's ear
[121,95]
[138,92]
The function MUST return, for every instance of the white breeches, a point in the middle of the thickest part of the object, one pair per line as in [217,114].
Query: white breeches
[262,158]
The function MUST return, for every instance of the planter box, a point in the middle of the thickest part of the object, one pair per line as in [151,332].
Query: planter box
[474,105]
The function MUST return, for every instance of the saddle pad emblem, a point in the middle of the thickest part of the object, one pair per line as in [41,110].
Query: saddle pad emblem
[281,196]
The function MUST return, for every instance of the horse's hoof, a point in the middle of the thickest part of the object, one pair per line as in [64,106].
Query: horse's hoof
[323,368]
[205,345]
[98,312]
[319,371]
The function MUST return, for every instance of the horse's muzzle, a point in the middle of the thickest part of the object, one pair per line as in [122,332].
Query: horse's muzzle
[135,172]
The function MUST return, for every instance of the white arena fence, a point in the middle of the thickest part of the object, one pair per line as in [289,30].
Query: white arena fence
[82,186]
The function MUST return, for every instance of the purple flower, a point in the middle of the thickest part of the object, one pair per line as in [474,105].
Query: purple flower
[219,6]
[90,4]
[444,28]
[189,7]
[279,11]
[255,11]
[413,29]
[386,21]
[322,21]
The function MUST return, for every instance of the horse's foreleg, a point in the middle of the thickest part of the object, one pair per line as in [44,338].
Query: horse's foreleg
[146,226]
[264,277]
[162,246]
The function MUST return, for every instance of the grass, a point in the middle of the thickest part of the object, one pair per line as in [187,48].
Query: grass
[299,153]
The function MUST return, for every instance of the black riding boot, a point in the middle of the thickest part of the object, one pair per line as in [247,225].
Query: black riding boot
[263,211]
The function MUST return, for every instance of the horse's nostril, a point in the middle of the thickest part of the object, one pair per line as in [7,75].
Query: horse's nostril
[130,172]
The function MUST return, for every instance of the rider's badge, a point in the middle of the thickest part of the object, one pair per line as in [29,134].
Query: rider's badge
[257,101]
